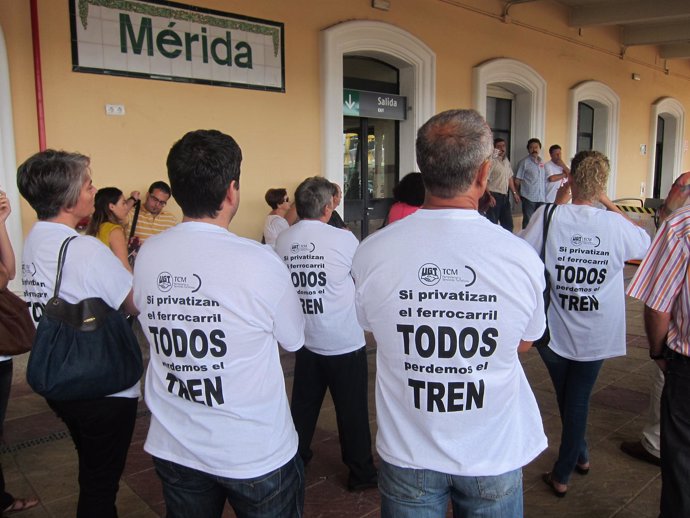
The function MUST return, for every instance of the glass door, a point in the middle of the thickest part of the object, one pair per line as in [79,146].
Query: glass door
[370,172]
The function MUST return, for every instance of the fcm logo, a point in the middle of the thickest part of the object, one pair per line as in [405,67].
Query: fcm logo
[429,274]
[164,281]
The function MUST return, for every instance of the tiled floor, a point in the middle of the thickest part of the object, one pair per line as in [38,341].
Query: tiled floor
[39,459]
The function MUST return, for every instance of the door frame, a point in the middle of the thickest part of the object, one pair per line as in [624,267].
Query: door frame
[416,63]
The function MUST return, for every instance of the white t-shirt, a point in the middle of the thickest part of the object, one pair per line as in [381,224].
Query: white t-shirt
[448,296]
[214,308]
[551,188]
[273,226]
[586,250]
[319,258]
[91,270]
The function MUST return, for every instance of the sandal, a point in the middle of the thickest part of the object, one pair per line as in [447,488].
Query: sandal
[20,504]
[546,477]
[582,469]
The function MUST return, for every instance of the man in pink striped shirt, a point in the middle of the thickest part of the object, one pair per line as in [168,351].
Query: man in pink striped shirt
[663,284]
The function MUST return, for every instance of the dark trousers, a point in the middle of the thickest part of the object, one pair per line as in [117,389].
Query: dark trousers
[346,376]
[528,208]
[675,438]
[500,213]
[6,498]
[101,430]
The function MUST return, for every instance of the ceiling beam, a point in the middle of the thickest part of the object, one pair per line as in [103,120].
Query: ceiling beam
[606,13]
[675,51]
[656,34]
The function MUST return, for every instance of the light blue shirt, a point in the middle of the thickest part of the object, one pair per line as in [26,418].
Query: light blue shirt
[532,177]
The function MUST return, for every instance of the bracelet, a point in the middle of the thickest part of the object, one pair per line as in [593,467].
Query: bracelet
[659,356]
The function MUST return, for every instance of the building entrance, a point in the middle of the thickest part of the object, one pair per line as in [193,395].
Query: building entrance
[372,110]
[370,172]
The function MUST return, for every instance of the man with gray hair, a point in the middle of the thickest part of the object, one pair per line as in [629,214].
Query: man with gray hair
[319,258]
[451,299]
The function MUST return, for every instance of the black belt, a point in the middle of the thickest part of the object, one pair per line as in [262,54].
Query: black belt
[676,357]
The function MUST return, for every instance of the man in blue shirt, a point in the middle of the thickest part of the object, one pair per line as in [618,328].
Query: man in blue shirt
[530,180]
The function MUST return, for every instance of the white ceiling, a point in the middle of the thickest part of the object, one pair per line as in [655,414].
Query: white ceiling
[662,23]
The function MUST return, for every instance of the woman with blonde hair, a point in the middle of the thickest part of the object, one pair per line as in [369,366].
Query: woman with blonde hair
[584,254]
[108,222]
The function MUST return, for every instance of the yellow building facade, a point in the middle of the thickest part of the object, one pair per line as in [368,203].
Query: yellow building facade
[442,54]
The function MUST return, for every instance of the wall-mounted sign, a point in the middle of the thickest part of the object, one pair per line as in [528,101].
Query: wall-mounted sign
[155,39]
[358,103]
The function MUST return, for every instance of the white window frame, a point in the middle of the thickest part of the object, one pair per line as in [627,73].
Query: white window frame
[606,104]
[416,63]
[529,103]
[668,107]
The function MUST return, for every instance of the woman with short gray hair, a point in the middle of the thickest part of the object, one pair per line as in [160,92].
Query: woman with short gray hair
[58,187]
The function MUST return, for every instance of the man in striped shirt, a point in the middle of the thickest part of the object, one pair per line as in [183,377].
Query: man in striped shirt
[663,284]
[152,218]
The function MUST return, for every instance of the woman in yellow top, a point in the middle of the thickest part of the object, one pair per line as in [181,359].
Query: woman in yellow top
[109,220]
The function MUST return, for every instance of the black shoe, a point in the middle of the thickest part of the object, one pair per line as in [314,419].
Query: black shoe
[361,485]
[636,450]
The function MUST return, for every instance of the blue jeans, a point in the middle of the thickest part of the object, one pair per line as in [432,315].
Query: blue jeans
[423,493]
[190,493]
[528,208]
[573,382]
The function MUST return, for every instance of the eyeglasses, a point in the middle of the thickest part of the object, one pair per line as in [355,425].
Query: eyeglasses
[156,200]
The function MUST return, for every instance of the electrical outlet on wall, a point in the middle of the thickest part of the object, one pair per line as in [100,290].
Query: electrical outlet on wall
[114,109]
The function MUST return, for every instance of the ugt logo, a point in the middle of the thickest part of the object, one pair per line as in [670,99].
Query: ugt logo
[429,274]
[164,281]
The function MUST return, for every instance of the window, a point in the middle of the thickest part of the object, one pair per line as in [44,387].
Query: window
[585,127]
[499,115]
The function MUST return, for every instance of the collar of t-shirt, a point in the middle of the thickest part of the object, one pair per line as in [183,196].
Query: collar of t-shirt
[464,214]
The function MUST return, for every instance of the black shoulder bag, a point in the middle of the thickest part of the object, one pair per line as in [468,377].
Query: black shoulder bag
[133,242]
[548,214]
[82,351]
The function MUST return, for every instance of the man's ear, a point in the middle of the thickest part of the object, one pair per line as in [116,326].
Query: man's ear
[483,174]
[233,193]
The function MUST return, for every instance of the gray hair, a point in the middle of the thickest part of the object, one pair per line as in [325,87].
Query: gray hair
[52,180]
[312,196]
[451,146]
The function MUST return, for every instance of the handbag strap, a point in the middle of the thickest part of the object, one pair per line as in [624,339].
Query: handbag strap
[61,263]
[135,218]
[548,214]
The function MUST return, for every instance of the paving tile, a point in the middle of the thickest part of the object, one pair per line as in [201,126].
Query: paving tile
[137,459]
[147,486]
[329,499]
[622,398]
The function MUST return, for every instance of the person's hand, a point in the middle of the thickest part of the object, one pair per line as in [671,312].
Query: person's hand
[5,208]
[661,364]
[136,195]
[492,200]
[516,197]
[563,194]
